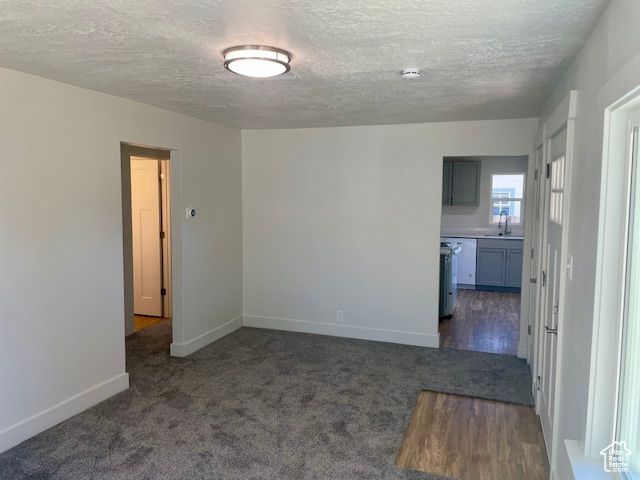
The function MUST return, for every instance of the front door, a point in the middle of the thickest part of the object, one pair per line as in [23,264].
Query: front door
[147,253]
[552,276]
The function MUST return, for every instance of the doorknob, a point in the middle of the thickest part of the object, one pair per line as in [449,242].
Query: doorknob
[551,330]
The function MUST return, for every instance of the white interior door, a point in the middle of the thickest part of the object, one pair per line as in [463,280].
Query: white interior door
[553,271]
[147,256]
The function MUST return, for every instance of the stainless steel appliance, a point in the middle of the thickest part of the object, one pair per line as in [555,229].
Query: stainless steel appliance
[448,278]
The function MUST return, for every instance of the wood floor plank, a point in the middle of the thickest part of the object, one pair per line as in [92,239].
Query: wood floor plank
[483,322]
[141,321]
[473,439]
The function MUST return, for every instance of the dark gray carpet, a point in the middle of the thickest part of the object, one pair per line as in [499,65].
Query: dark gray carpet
[261,404]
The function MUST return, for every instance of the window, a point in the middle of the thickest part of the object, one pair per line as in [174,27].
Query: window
[507,197]
[557,190]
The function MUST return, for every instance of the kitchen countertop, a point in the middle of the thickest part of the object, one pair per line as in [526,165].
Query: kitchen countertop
[481,235]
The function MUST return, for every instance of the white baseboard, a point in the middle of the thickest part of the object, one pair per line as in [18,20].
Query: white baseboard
[184,349]
[348,331]
[523,350]
[38,423]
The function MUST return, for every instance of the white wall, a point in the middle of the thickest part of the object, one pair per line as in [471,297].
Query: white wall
[61,251]
[477,218]
[348,219]
[610,48]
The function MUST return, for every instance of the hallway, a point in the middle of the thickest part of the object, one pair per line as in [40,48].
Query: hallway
[483,322]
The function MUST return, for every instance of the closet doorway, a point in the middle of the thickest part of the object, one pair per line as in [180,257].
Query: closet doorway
[147,236]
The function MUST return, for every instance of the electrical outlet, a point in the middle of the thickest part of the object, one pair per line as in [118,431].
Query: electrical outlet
[340,316]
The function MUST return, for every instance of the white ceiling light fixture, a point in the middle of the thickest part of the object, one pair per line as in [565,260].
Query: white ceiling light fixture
[411,73]
[256,61]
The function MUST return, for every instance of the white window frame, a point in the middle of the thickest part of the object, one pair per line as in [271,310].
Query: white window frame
[493,199]
[556,199]
[633,127]
[605,361]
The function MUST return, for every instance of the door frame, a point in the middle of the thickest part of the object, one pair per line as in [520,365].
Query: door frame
[165,193]
[616,100]
[563,117]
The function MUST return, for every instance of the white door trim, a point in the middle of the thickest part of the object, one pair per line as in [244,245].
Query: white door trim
[563,265]
[610,273]
[165,188]
[536,245]
[177,219]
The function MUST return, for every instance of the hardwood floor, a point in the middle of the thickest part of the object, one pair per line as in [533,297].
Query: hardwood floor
[483,322]
[140,322]
[474,439]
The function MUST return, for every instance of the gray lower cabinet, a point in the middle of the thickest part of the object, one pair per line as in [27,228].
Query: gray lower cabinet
[499,263]
[490,267]
[514,268]
[461,183]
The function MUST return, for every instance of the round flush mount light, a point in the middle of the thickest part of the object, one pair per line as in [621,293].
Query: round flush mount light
[256,61]
[410,73]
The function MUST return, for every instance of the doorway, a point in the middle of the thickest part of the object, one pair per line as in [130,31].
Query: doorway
[147,236]
[482,224]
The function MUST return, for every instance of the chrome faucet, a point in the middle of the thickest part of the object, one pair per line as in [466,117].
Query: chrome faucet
[507,230]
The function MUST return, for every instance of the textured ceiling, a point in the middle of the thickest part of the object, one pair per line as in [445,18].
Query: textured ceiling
[480,59]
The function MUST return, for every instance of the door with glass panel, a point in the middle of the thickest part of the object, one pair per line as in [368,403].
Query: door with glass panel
[552,280]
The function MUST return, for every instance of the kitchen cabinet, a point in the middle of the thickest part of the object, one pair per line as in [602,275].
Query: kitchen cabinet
[461,183]
[499,264]
[447,177]
[513,268]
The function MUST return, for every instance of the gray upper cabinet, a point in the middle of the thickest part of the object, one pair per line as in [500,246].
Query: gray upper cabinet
[461,183]
[447,178]
[466,183]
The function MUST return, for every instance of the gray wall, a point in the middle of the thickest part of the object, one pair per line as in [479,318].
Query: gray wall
[348,219]
[62,284]
[611,46]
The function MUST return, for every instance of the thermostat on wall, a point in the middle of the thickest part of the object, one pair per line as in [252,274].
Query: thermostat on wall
[191,212]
